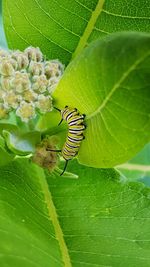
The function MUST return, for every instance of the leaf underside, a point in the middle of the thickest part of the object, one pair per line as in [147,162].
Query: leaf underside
[53,221]
[115,97]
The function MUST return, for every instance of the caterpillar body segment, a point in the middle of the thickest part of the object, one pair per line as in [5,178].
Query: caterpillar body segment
[76,128]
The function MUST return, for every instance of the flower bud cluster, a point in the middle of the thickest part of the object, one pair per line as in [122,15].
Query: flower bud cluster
[26,82]
[43,155]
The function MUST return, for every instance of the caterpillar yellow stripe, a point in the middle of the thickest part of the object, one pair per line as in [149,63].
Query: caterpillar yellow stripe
[76,128]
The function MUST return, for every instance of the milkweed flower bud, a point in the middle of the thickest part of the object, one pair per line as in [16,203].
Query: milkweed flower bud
[2,93]
[30,95]
[6,68]
[27,80]
[3,111]
[53,68]
[52,84]
[11,100]
[34,54]
[44,103]
[21,59]
[36,68]
[26,111]
[5,83]
[20,81]
[43,155]
[3,53]
[40,83]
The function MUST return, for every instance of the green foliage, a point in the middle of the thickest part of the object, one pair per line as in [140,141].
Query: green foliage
[2,36]
[27,234]
[5,155]
[143,156]
[62,28]
[101,218]
[99,81]
[137,168]
[48,220]
[22,144]
[115,97]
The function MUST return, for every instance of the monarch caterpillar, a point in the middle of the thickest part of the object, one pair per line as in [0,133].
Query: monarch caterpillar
[75,135]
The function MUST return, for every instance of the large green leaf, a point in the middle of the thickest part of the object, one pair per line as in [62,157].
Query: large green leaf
[27,235]
[95,220]
[62,28]
[110,82]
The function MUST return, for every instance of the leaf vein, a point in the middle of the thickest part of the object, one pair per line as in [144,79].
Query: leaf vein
[124,16]
[117,85]
[50,17]
[89,28]
[54,218]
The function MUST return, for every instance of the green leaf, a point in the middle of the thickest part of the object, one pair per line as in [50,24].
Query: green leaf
[71,24]
[5,156]
[22,144]
[95,220]
[2,36]
[143,157]
[7,127]
[134,171]
[27,234]
[137,168]
[68,175]
[110,83]
[48,125]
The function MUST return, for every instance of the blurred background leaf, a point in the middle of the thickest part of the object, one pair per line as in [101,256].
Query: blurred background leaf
[138,168]
[2,35]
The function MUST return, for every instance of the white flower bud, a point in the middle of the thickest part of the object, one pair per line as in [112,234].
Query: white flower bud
[2,93]
[4,53]
[26,82]
[52,84]
[11,100]
[21,59]
[36,68]
[44,103]
[13,63]
[29,95]
[26,111]
[40,83]
[6,68]
[53,68]
[34,54]
[5,83]
[20,82]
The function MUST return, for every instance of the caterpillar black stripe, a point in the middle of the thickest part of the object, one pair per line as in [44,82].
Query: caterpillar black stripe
[75,135]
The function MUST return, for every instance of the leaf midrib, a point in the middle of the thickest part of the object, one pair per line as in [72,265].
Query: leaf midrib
[117,85]
[133,166]
[89,28]
[54,219]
